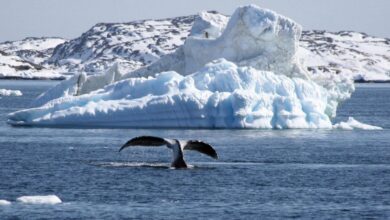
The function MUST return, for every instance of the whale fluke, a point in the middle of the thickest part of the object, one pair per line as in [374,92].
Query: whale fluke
[148,141]
[201,147]
[176,146]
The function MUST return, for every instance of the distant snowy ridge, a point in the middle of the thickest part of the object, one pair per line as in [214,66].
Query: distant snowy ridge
[33,49]
[353,54]
[25,59]
[132,44]
[135,44]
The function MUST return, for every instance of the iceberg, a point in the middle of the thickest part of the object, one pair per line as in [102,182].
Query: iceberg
[220,95]
[50,199]
[244,73]
[253,37]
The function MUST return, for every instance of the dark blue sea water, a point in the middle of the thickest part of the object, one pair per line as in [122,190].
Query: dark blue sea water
[261,174]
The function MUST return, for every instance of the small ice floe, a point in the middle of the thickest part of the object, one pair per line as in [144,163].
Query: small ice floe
[4,202]
[352,124]
[7,92]
[49,199]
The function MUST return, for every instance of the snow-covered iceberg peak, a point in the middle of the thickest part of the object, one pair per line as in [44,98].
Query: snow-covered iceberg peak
[209,22]
[253,37]
[220,95]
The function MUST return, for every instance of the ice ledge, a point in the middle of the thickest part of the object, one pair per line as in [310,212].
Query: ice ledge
[352,124]
[220,95]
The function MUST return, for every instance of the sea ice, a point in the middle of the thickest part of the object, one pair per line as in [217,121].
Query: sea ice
[4,202]
[352,124]
[49,199]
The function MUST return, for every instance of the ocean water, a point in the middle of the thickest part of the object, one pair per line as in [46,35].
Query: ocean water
[261,174]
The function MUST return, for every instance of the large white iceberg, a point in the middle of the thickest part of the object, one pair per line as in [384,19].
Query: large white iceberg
[244,73]
[221,95]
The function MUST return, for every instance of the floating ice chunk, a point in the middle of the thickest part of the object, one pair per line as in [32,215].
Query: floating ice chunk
[7,92]
[221,95]
[4,202]
[354,124]
[49,199]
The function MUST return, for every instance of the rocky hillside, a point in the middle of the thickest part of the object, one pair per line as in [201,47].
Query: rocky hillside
[364,57]
[139,43]
[26,59]
[132,44]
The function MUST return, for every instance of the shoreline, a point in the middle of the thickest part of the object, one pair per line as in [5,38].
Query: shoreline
[360,81]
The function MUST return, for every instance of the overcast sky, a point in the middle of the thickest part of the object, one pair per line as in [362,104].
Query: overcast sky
[70,18]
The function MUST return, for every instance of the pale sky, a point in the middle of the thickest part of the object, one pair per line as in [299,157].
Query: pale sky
[70,18]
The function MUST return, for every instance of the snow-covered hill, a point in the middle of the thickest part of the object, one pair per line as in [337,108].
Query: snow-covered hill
[25,59]
[132,44]
[139,43]
[364,57]
[36,50]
